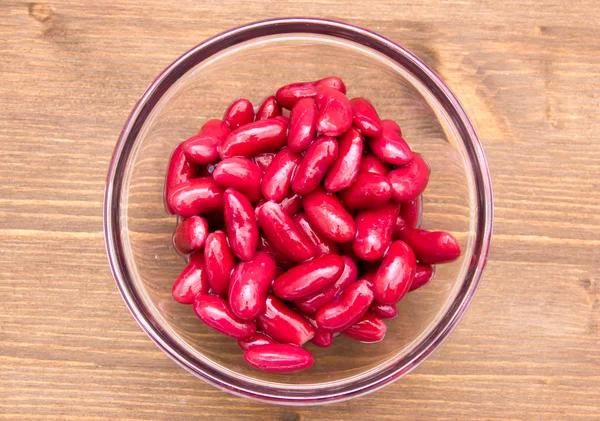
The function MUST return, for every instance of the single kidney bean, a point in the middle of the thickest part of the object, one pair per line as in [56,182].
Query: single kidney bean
[280,259]
[374,228]
[242,228]
[264,160]
[321,244]
[291,204]
[370,190]
[256,340]
[395,275]
[410,181]
[280,230]
[323,338]
[369,329]
[432,247]
[312,303]
[312,168]
[279,358]
[179,171]
[389,146]
[215,312]
[412,212]
[334,112]
[289,95]
[268,109]
[278,176]
[283,324]
[365,117]
[423,275]
[192,280]
[190,234]
[249,285]
[309,277]
[384,311]
[239,113]
[370,163]
[219,261]
[255,138]
[241,174]
[203,148]
[303,125]
[344,170]
[343,313]
[328,216]
[196,196]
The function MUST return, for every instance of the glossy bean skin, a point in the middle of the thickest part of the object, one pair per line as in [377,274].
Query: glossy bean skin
[219,261]
[309,277]
[255,138]
[374,228]
[283,119]
[321,244]
[327,215]
[289,95]
[423,276]
[364,117]
[279,358]
[384,311]
[291,204]
[343,313]
[412,212]
[410,181]
[344,170]
[178,171]
[277,178]
[256,340]
[239,113]
[369,329]
[196,196]
[268,109]
[334,112]
[263,160]
[395,275]
[312,303]
[303,125]
[432,247]
[192,280]
[370,190]
[370,163]
[190,234]
[282,232]
[203,148]
[314,165]
[322,338]
[242,228]
[399,225]
[249,285]
[280,259]
[283,324]
[241,174]
[389,146]
[216,313]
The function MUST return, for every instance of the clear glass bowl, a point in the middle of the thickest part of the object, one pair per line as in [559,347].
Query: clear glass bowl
[253,61]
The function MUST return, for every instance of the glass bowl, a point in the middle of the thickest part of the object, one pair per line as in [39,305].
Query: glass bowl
[253,61]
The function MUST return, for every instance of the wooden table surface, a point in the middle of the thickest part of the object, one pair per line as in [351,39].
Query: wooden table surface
[529,74]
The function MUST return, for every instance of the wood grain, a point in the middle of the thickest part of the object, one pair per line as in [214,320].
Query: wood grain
[529,74]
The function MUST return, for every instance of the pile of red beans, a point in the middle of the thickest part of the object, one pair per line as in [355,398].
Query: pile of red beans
[303,227]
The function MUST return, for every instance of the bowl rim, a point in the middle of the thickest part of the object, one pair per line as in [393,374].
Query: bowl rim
[228,39]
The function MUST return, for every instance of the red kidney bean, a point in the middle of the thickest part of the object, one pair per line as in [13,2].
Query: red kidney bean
[384,311]
[257,340]
[292,204]
[239,113]
[255,138]
[312,168]
[303,125]
[196,196]
[279,358]
[343,313]
[344,170]
[312,303]
[432,247]
[321,244]
[334,112]
[215,312]
[264,160]
[410,181]
[179,171]
[268,109]
[190,234]
[395,275]
[192,280]
[389,146]
[370,163]
[370,190]
[374,228]
[411,212]
[309,277]
[365,117]
[283,324]
[368,277]
[322,338]
[241,174]
[249,285]
[399,225]
[280,259]
[369,329]
[280,230]
[242,228]
[283,119]
[278,176]
[289,95]
[219,261]
[423,275]
[328,216]
[203,148]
